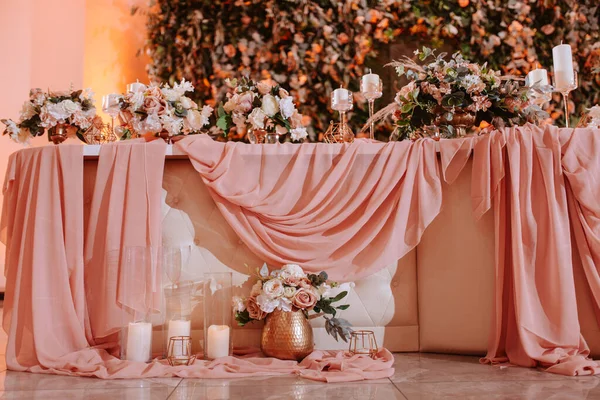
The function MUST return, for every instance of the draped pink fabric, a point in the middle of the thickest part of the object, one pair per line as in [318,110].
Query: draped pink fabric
[54,317]
[125,211]
[42,227]
[347,209]
[519,172]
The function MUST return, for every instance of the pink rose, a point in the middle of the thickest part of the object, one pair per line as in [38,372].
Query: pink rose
[304,299]
[155,105]
[254,310]
[263,87]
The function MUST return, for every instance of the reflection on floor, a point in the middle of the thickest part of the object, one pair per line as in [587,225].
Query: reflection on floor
[418,376]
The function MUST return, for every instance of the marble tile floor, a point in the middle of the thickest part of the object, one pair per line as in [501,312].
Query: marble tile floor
[418,377]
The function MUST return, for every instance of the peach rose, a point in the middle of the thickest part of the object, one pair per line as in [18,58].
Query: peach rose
[304,299]
[155,105]
[254,310]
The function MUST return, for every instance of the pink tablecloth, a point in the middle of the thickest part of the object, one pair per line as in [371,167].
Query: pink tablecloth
[347,209]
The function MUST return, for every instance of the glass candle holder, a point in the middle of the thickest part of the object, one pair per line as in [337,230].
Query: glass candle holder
[372,89]
[564,83]
[218,315]
[139,295]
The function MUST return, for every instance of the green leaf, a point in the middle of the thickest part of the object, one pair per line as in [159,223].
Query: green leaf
[221,111]
[224,123]
[340,296]
[343,307]
[406,108]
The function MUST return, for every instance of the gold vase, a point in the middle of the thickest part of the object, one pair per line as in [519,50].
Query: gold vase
[287,336]
[257,136]
[58,133]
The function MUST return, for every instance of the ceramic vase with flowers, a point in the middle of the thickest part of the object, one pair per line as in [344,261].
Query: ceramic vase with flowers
[285,299]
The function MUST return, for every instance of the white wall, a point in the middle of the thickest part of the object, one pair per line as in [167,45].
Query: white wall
[56,43]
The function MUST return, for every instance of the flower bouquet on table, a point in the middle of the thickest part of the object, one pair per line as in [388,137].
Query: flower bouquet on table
[60,113]
[447,98]
[263,110]
[284,298]
[161,111]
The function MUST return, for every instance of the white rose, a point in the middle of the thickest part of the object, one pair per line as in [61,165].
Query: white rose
[289,292]
[70,106]
[286,105]
[298,133]
[257,118]
[27,111]
[238,304]
[273,288]
[292,270]
[57,111]
[270,105]
[267,304]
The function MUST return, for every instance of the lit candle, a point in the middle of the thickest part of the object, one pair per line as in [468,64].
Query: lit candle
[562,57]
[217,342]
[370,82]
[136,87]
[139,341]
[178,327]
[539,76]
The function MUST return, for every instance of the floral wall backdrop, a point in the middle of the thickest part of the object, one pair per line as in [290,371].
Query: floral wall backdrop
[313,47]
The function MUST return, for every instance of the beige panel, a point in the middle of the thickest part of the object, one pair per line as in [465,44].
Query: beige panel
[455,269]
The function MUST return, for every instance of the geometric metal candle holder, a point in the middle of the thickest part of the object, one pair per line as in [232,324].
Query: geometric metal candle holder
[180,351]
[338,133]
[363,342]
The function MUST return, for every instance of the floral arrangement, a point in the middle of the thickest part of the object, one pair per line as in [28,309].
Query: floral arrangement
[456,93]
[312,47]
[44,111]
[154,110]
[288,289]
[260,106]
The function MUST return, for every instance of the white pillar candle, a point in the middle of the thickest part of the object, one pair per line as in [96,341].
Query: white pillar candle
[217,343]
[562,57]
[136,87]
[341,96]
[370,82]
[139,341]
[178,327]
[539,76]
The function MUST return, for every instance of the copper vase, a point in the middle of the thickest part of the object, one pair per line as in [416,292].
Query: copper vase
[461,120]
[58,133]
[287,336]
[257,136]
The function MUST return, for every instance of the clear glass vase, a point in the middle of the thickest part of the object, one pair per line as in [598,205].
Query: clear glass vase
[218,315]
[138,294]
